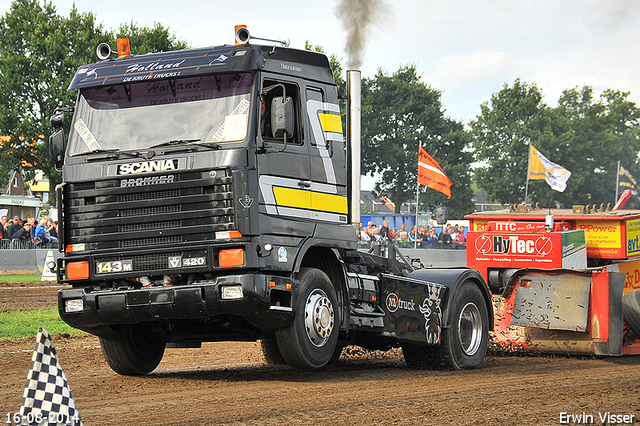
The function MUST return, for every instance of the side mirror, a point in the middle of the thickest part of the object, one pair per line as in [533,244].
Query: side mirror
[57,120]
[282,117]
[56,140]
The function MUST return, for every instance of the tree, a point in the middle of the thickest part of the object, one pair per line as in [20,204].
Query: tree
[600,133]
[399,113]
[337,69]
[40,52]
[513,119]
[585,136]
[144,40]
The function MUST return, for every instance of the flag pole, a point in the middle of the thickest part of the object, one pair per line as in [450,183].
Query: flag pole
[526,185]
[617,181]
[415,237]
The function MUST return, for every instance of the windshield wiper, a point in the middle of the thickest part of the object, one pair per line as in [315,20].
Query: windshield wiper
[111,154]
[175,142]
[185,144]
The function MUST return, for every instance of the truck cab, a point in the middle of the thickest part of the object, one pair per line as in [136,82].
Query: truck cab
[205,197]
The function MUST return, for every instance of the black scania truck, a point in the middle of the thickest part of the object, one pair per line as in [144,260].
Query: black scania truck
[210,195]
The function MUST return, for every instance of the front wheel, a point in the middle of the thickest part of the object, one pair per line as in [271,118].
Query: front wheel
[310,340]
[135,352]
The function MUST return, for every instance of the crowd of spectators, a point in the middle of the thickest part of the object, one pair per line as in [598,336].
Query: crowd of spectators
[28,233]
[451,237]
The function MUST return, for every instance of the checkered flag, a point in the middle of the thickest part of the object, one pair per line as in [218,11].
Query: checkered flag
[47,398]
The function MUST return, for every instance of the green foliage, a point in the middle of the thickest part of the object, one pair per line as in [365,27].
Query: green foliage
[399,113]
[17,324]
[513,118]
[338,75]
[40,52]
[145,40]
[586,136]
[599,133]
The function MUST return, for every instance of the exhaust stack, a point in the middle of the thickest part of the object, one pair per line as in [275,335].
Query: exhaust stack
[353,140]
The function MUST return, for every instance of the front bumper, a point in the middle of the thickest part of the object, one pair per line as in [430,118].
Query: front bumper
[265,303]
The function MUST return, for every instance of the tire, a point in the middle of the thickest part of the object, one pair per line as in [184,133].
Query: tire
[631,310]
[136,352]
[463,346]
[335,357]
[419,357]
[310,340]
[270,351]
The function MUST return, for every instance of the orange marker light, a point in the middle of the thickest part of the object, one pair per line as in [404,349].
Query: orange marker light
[231,257]
[288,286]
[272,283]
[123,48]
[78,270]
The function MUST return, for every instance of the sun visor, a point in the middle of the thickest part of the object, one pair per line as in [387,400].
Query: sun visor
[160,66]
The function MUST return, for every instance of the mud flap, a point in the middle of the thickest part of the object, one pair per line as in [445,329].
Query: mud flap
[608,318]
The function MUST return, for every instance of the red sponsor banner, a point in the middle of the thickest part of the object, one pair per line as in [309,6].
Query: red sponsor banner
[498,250]
[512,226]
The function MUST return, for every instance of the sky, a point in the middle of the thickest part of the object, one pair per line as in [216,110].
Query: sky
[467,49]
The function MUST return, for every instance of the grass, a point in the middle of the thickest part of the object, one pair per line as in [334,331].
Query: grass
[17,324]
[22,278]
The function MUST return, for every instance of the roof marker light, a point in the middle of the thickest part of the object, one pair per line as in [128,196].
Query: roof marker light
[123,48]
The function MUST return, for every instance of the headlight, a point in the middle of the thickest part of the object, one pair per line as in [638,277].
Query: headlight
[73,305]
[232,292]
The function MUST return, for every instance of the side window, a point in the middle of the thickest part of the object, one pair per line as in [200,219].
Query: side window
[324,118]
[315,100]
[280,112]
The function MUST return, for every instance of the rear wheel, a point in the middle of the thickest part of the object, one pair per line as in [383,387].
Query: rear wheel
[310,340]
[420,356]
[631,310]
[137,351]
[270,351]
[464,344]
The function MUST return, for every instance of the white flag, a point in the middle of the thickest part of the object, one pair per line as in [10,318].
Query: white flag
[541,168]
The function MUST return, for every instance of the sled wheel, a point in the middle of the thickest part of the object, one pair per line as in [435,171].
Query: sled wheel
[137,351]
[270,351]
[310,340]
[631,310]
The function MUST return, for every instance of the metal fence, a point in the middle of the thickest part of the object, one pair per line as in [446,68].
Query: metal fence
[17,245]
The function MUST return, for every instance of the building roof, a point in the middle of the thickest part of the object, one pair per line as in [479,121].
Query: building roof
[373,203]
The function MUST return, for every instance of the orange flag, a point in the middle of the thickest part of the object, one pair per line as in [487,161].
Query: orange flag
[430,174]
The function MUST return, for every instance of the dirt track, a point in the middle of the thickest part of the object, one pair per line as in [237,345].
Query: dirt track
[228,383]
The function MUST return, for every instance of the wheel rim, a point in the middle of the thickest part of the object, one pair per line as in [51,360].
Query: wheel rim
[470,329]
[319,317]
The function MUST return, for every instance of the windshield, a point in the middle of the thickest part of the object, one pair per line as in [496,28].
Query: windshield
[136,116]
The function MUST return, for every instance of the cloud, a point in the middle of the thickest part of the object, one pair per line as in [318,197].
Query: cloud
[486,64]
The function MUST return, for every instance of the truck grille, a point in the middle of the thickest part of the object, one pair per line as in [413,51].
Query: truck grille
[191,207]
